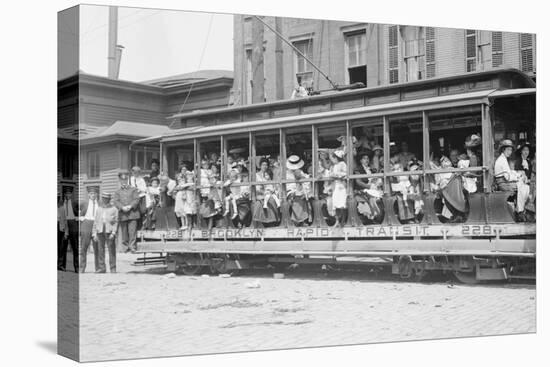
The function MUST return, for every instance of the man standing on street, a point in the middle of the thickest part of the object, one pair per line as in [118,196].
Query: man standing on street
[104,232]
[88,211]
[70,208]
[62,235]
[126,200]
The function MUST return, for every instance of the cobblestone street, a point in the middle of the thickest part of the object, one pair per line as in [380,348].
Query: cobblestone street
[144,312]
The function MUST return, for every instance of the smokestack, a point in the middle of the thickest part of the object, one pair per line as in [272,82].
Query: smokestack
[113,52]
[258,93]
[279,81]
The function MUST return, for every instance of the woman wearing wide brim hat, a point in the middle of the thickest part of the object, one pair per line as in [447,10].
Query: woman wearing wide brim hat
[472,141]
[294,162]
[298,192]
[505,143]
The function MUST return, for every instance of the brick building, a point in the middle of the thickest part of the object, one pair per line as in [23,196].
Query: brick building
[374,54]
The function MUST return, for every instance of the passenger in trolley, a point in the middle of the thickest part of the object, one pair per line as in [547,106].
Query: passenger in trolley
[266,209]
[298,192]
[368,191]
[185,199]
[338,173]
[510,180]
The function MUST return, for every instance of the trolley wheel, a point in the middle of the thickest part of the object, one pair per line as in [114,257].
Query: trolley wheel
[466,277]
[220,265]
[187,267]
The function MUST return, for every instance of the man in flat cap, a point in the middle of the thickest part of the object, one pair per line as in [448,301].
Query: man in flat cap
[88,211]
[126,200]
[104,232]
[70,213]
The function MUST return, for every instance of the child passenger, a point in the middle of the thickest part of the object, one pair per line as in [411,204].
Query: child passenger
[233,192]
[152,200]
[184,201]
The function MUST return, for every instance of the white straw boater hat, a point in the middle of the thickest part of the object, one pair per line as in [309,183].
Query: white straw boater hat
[339,153]
[294,162]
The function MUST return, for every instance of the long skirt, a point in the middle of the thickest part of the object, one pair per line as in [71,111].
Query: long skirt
[267,215]
[300,209]
[368,206]
[179,205]
[207,208]
[405,210]
[243,211]
[339,195]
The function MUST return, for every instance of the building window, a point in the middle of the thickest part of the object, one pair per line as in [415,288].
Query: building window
[526,51]
[356,50]
[93,164]
[471,49]
[496,49]
[393,66]
[304,70]
[143,157]
[430,52]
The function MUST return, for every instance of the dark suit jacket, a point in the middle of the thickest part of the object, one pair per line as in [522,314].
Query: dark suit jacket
[127,195]
[75,208]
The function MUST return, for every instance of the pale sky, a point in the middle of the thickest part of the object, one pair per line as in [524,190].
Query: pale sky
[157,43]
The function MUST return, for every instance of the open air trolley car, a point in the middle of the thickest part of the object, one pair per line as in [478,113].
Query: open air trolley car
[430,115]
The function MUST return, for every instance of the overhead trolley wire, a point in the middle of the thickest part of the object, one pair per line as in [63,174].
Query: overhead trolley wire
[198,68]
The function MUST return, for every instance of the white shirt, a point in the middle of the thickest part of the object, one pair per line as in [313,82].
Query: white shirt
[139,183]
[69,213]
[90,212]
[502,167]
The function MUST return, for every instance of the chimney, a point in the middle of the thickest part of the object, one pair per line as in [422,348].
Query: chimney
[113,52]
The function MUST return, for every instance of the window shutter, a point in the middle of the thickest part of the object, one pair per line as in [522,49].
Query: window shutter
[526,50]
[471,50]
[527,60]
[526,40]
[496,41]
[430,52]
[470,45]
[496,48]
[393,54]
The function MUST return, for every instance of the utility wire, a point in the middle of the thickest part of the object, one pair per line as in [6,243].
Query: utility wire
[198,68]
[334,85]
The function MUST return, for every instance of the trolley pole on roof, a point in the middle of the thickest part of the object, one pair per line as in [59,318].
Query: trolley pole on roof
[334,85]
[279,76]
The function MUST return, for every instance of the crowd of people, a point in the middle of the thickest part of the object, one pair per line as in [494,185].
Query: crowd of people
[143,200]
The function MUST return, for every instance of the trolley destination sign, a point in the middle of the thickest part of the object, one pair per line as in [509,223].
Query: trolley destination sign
[413,230]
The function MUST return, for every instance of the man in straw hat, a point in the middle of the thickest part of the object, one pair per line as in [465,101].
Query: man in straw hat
[104,233]
[126,200]
[87,216]
[510,180]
